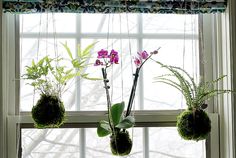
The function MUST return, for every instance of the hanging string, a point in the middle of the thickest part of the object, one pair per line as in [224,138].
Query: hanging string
[112,87]
[129,46]
[130,53]
[194,55]
[201,45]
[108,31]
[121,62]
[40,22]
[108,36]
[184,46]
[183,54]
[37,51]
[56,50]
[47,34]
[54,37]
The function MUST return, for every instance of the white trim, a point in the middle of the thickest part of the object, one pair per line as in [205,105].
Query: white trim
[90,119]
[225,102]
[8,77]
[223,57]
[206,54]
[2,113]
[143,118]
[214,136]
[111,35]
[229,27]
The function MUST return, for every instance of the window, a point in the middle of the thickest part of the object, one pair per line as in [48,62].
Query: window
[155,134]
[146,32]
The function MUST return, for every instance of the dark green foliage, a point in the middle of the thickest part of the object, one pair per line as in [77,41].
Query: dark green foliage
[193,125]
[48,112]
[121,144]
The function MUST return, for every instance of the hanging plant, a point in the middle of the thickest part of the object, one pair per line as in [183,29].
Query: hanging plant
[118,121]
[49,76]
[193,123]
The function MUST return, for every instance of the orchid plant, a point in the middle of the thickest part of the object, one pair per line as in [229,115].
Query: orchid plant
[118,121]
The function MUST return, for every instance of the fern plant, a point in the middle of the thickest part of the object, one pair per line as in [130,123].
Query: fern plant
[50,76]
[193,123]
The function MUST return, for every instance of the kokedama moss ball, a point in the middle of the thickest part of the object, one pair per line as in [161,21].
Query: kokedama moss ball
[121,144]
[48,112]
[193,125]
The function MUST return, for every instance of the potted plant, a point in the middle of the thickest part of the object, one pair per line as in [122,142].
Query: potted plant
[193,123]
[118,120]
[49,77]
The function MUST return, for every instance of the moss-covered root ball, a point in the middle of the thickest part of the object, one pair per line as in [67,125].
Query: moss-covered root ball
[193,125]
[48,112]
[121,144]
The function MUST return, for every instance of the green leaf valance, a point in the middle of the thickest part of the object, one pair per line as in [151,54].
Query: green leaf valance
[115,6]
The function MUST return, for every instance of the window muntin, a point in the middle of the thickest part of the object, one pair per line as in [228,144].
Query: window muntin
[169,24]
[46,23]
[115,23]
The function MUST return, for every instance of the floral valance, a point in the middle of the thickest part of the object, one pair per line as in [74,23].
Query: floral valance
[115,6]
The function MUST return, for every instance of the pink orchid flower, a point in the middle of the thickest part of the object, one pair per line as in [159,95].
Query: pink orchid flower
[114,58]
[137,61]
[143,55]
[103,54]
[98,62]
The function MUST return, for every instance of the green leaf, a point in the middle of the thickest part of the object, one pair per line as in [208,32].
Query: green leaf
[79,51]
[41,61]
[68,50]
[103,129]
[87,50]
[90,78]
[116,112]
[33,63]
[127,122]
[70,76]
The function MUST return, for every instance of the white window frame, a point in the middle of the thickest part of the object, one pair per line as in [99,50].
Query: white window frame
[155,118]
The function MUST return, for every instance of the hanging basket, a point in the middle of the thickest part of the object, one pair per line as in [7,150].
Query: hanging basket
[48,112]
[121,144]
[193,124]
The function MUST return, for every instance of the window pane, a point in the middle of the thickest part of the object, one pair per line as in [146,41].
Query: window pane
[170,23]
[50,143]
[48,23]
[112,23]
[31,51]
[164,142]
[160,96]
[93,92]
[100,147]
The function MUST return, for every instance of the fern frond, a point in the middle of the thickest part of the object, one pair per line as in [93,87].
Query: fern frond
[173,85]
[190,78]
[185,85]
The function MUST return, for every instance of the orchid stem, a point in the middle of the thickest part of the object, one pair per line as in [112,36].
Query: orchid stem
[104,74]
[132,95]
